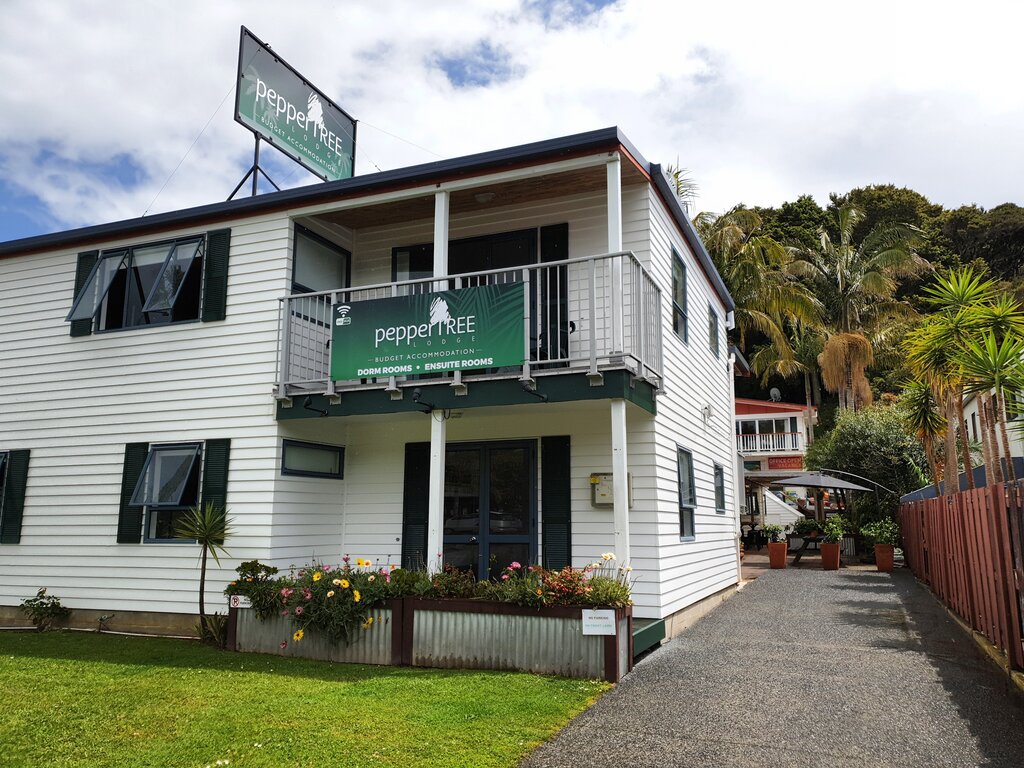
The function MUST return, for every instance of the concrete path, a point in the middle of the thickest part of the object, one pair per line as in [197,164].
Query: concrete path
[807,668]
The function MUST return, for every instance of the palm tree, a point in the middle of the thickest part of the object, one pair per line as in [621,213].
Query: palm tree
[990,366]
[684,185]
[755,269]
[209,526]
[857,283]
[922,415]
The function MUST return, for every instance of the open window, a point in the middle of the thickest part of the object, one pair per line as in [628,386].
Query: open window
[168,487]
[152,284]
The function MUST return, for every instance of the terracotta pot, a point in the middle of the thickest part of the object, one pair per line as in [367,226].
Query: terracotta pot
[883,557]
[830,556]
[777,553]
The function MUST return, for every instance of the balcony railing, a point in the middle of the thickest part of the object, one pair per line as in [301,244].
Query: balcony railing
[585,315]
[778,442]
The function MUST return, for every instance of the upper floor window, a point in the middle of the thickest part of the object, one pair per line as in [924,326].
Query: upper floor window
[142,285]
[319,264]
[138,286]
[713,330]
[679,316]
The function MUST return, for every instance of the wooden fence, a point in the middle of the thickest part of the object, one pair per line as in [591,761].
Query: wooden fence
[968,549]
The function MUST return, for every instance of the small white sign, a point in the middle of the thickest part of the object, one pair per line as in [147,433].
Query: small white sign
[239,601]
[599,622]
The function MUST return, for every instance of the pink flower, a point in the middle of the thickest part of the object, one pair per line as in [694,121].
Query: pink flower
[514,565]
[283,644]
[327,569]
[345,559]
[299,610]
[307,594]
[387,578]
[284,612]
[504,577]
[286,592]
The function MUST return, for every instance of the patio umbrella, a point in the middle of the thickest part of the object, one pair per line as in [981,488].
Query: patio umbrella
[820,480]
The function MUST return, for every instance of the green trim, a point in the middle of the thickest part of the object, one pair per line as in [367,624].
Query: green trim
[480,394]
[129,518]
[12,505]
[556,502]
[216,453]
[647,633]
[215,275]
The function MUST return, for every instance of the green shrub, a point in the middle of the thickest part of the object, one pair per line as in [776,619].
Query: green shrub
[884,531]
[807,527]
[835,527]
[452,583]
[44,609]
[773,532]
[408,583]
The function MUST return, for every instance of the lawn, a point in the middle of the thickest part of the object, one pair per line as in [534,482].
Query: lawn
[81,699]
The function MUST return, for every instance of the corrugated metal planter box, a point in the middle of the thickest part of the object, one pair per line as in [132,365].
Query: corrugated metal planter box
[373,645]
[465,634]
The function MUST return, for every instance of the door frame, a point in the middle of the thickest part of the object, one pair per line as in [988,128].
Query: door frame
[484,535]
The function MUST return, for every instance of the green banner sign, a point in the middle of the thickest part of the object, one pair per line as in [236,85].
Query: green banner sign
[278,104]
[428,332]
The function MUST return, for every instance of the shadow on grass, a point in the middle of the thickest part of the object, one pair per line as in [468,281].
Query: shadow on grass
[170,654]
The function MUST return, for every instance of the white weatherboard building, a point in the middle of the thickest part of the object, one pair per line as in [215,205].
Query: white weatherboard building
[153,364]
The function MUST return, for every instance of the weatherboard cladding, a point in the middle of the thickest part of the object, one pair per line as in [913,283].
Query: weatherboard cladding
[200,381]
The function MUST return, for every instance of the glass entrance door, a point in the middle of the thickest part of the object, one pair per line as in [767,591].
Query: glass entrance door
[490,506]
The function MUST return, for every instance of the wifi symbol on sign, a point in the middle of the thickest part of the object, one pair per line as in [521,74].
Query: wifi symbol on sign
[343,318]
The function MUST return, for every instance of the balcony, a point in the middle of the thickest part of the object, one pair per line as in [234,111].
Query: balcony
[586,315]
[778,442]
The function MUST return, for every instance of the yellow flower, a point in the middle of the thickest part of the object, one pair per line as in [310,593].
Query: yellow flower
[368,622]
[331,593]
[317,576]
[360,563]
[336,582]
[355,595]
[299,634]
[540,591]
[343,583]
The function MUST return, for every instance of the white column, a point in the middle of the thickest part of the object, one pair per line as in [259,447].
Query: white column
[435,504]
[620,481]
[614,245]
[441,206]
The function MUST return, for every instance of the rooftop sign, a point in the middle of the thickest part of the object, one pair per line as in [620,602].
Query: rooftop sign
[278,104]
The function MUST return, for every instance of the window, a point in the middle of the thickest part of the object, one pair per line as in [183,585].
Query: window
[312,459]
[319,264]
[719,490]
[687,494]
[713,330]
[143,285]
[168,487]
[679,318]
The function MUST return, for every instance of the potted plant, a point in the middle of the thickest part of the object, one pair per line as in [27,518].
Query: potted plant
[831,543]
[776,546]
[807,528]
[886,535]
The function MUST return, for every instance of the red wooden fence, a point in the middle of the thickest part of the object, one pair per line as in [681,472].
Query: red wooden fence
[969,549]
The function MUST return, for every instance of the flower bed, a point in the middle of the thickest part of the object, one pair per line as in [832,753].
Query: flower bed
[528,619]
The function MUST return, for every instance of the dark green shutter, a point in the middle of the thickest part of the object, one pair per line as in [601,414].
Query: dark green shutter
[129,519]
[86,261]
[556,503]
[14,497]
[415,505]
[215,274]
[215,471]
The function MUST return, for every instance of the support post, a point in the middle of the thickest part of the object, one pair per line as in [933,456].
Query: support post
[620,481]
[435,504]
[441,207]
[615,246]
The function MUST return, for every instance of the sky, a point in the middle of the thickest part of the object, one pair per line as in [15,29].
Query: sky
[112,109]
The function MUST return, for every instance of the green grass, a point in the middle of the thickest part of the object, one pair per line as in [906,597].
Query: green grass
[76,699]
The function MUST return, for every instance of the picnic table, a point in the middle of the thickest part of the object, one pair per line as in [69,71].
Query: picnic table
[809,539]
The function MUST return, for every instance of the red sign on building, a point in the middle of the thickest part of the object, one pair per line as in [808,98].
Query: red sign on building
[786,462]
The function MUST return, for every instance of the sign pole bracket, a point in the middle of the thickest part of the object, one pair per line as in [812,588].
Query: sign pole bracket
[254,173]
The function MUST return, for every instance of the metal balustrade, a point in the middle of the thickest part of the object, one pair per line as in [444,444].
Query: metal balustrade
[585,315]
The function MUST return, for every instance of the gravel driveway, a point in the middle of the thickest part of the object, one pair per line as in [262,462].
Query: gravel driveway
[807,668]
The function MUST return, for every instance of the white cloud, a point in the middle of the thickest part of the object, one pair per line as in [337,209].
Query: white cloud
[762,102]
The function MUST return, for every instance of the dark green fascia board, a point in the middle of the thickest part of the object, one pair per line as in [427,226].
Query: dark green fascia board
[479,394]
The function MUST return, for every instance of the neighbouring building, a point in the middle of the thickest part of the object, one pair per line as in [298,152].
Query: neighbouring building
[772,438]
[201,355]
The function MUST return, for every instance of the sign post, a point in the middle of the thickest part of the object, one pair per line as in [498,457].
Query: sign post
[279,105]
